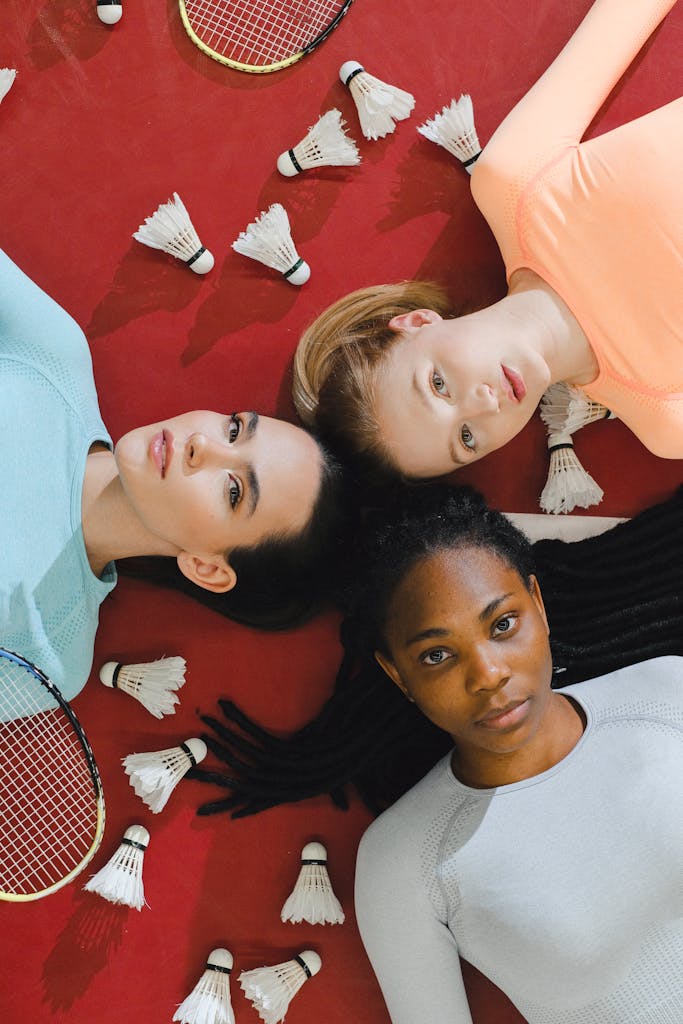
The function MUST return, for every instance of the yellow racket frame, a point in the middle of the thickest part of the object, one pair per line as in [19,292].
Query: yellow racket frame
[12,897]
[251,68]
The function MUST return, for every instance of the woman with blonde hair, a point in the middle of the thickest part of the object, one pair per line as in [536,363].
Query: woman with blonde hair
[591,234]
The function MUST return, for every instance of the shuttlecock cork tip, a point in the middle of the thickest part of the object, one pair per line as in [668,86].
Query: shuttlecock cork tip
[300,275]
[221,958]
[108,671]
[197,749]
[348,69]
[138,835]
[203,262]
[314,851]
[312,960]
[109,11]
[286,166]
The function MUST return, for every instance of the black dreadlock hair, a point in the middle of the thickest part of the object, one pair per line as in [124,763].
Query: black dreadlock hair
[612,600]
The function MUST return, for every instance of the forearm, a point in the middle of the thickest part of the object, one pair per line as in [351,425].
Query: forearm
[559,107]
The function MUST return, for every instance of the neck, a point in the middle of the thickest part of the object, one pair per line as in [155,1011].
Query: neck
[549,324]
[111,529]
[557,734]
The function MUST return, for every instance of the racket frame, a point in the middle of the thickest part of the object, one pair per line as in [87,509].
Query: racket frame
[53,690]
[261,69]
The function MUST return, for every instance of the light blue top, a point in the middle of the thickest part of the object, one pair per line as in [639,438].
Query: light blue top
[565,889]
[49,418]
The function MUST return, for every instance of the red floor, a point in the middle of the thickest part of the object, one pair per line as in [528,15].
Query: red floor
[101,126]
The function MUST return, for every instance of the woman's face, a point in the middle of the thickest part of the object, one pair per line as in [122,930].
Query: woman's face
[451,391]
[467,641]
[206,482]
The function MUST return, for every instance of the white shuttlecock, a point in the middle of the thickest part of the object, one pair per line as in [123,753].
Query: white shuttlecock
[379,104]
[454,129]
[312,898]
[269,241]
[7,76]
[109,11]
[120,880]
[153,683]
[564,410]
[271,989]
[171,230]
[209,1001]
[569,485]
[326,145]
[155,775]
[568,408]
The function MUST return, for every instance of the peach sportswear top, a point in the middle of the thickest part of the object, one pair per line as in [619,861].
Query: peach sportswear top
[601,221]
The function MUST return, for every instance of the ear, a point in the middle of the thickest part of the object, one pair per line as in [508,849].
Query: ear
[392,672]
[537,598]
[215,575]
[413,320]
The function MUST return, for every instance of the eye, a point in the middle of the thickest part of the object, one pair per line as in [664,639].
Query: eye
[234,490]
[467,438]
[436,656]
[438,383]
[234,427]
[505,624]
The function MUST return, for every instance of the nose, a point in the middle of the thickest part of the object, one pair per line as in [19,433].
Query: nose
[202,451]
[482,399]
[486,669]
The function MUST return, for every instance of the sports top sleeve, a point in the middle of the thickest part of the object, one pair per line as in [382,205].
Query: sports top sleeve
[412,952]
[35,330]
[557,110]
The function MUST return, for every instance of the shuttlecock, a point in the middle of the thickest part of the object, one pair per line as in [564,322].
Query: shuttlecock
[312,898]
[565,407]
[209,1001]
[271,989]
[568,484]
[564,410]
[454,129]
[326,145]
[269,241]
[171,230]
[153,683]
[7,76]
[109,11]
[120,880]
[379,105]
[155,775]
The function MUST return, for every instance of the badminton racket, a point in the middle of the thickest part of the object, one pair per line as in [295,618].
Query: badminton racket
[51,801]
[260,35]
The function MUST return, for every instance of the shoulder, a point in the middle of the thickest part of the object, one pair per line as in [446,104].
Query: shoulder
[649,689]
[393,844]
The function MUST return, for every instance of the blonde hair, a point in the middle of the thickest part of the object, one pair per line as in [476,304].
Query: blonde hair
[337,357]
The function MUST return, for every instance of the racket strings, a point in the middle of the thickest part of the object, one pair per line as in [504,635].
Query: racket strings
[49,799]
[259,32]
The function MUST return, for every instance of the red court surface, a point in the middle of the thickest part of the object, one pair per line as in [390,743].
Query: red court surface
[101,126]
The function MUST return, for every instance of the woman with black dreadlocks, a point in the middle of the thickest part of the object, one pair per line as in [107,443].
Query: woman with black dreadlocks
[612,601]
[545,847]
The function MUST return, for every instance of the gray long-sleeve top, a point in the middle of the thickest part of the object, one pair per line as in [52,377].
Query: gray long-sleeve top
[565,889]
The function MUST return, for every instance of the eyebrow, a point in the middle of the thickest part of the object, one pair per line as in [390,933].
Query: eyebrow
[253,487]
[253,491]
[251,424]
[437,633]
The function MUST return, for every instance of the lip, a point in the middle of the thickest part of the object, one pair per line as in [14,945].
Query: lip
[506,715]
[161,451]
[516,388]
